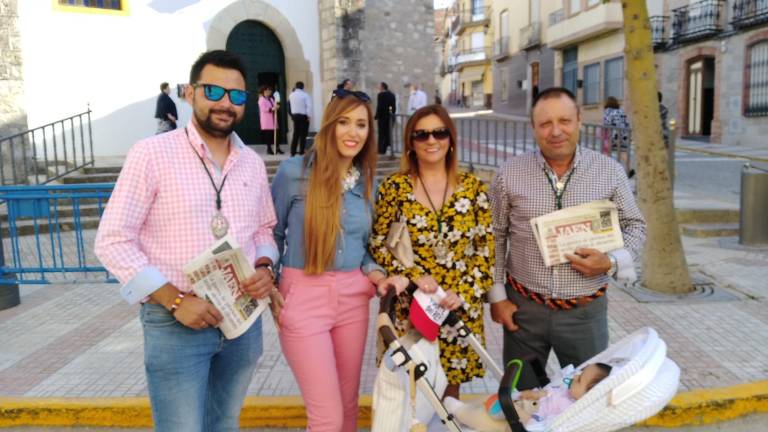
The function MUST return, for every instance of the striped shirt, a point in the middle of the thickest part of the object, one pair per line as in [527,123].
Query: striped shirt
[159,215]
[521,190]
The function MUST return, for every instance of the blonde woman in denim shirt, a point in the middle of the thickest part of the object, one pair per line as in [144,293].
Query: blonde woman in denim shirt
[324,208]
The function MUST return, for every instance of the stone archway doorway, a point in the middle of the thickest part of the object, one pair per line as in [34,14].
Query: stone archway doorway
[264,60]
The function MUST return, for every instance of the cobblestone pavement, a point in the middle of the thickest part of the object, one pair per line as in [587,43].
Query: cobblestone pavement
[82,340]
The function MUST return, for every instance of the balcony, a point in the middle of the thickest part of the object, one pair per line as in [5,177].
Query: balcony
[501,48]
[471,17]
[587,24]
[446,68]
[748,13]
[556,17]
[471,57]
[454,24]
[659,31]
[530,36]
[697,21]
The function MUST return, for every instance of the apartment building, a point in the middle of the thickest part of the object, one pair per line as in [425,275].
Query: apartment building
[523,63]
[712,68]
[466,76]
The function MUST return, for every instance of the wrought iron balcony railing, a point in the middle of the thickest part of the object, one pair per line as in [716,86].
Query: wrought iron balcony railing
[530,36]
[556,16]
[748,13]
[698,20]
[501,48]
[659,30]
[472,55]
[473,16]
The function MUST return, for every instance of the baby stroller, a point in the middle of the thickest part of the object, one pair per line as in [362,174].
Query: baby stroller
[643,380]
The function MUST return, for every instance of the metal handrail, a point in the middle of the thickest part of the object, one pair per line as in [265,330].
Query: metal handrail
[491,142]
[47,153]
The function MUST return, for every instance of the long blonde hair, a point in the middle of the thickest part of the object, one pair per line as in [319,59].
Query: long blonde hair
[322,215]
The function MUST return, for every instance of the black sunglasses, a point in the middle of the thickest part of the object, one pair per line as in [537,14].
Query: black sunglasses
[214,93]
[422,135]
[341,94]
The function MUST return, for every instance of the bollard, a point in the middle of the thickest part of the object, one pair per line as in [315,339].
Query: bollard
[9,293]
[753,216]
[671,152]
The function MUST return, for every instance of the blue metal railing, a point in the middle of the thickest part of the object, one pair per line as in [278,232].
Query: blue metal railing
[43,228]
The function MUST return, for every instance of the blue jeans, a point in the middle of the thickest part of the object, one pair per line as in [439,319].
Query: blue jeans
[197,379]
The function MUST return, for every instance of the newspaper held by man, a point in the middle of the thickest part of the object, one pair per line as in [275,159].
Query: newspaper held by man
[592,225]
[216,276]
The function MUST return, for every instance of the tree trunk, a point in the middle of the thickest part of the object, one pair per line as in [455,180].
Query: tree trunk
[664,265]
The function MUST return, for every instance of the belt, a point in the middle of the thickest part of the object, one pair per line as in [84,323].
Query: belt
[556,303]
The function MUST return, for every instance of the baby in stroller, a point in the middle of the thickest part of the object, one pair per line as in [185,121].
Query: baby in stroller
[532,406]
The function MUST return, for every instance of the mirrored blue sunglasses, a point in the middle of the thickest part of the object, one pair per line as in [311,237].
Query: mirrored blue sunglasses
[214,93]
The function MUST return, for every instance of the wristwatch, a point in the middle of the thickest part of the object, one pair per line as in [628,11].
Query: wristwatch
[268,267]
[614,265]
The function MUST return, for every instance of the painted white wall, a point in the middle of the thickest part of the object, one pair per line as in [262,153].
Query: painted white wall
[655,7]
[116,63]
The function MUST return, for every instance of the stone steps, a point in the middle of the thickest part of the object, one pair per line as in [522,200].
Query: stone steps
[65,224]
[707,230]
[91,208]
[707,216]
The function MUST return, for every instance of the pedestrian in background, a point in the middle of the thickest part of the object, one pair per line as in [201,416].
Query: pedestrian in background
[616,126]
[301,112]
[418,99]
[562,307]
[267,109]
[324,204]
[174,190]
[664,114]
[385,115]
[165,110]
[449,223]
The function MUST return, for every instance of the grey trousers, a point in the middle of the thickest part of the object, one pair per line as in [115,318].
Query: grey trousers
[575,335]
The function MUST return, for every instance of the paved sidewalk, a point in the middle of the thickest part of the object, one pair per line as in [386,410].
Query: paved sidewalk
[751,152]
[84,341]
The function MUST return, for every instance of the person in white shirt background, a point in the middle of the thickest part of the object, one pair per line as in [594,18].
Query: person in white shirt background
[417,99]
[301,112]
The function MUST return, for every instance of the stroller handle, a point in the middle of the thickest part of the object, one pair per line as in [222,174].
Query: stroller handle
[508,383]
[388,300]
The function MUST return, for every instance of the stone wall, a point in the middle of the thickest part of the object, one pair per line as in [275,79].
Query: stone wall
[369,41]
[13,118]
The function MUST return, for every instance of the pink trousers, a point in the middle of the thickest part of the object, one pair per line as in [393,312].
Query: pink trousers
[324,323]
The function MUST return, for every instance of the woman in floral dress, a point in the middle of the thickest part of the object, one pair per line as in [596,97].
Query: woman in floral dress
[449,221]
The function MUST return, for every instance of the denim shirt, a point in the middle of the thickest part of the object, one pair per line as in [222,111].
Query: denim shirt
[289,189]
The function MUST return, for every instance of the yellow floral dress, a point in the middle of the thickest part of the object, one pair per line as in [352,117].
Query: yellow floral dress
[467,269]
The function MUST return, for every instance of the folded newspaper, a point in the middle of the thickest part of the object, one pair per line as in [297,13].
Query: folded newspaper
[592,225]
[216,276]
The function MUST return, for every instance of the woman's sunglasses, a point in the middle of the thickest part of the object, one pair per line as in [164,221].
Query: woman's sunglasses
[214,93]
[341,94]
[422,135]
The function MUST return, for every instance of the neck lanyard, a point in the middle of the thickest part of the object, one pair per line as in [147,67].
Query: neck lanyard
[559,188]
[434,209]
[210,177]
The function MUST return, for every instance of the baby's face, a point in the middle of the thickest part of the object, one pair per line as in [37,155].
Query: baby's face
[581,383]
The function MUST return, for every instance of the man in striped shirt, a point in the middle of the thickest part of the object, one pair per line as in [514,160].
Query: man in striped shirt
[562,307]
[178,192]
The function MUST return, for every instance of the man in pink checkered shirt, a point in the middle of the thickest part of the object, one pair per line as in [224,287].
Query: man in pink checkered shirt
[176,194]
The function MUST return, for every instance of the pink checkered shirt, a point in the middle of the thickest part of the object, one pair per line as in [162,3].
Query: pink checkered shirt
[158,217]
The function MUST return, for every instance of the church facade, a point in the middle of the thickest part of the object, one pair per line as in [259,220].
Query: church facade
[62,57]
